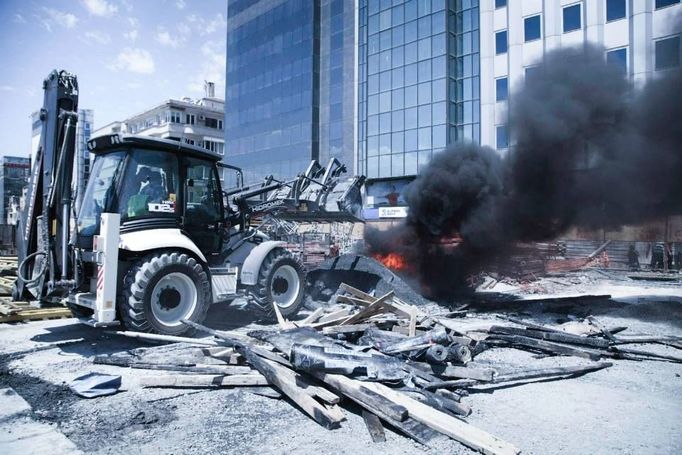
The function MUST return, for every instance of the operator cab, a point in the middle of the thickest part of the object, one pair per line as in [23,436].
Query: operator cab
[153,184]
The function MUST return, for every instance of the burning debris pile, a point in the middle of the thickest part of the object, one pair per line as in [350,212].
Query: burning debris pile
[402,365]
[589,151]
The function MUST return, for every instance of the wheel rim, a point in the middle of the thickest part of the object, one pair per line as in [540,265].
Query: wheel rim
[284,286]
[174,298]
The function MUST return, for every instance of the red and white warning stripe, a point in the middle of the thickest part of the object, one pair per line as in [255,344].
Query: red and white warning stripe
[100,278]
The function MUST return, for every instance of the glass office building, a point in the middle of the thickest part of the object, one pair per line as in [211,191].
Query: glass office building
[418,87]
[290,86]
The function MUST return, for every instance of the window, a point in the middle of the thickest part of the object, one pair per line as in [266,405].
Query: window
[502,137]
[664,3]
[202,204]
[531,72]
[619,58]
[189,119]
[572,19]
[501,89]
[500,3]
[531,28]
[189,141]
[615,9]
[215,146]
[211,122]
[150,187]
[668,53]
[172,117]
[501,42]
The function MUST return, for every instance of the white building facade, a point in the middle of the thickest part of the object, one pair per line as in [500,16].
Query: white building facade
[197,123]
[641,36]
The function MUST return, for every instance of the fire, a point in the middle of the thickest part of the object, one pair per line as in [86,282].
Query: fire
[393,261]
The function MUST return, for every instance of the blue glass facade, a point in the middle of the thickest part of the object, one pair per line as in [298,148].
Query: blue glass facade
[272,90]
[337,81]
[464,72]
[290,85]
[418,85]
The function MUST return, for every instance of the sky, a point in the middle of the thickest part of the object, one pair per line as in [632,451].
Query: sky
[128,55]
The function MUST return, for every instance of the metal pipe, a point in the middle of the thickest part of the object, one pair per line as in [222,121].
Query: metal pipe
[66,210]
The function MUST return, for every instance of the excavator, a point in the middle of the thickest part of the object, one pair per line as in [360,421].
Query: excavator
[157,239]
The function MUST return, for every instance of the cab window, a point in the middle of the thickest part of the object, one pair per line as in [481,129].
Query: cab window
[151,185]
[203,193]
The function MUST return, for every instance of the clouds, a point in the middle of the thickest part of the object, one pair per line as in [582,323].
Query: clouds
[99,7]
[98,37]
[212,67]
[180,4]
[55,17]
[208,26]
[131,35]
[134,60]
[164,38]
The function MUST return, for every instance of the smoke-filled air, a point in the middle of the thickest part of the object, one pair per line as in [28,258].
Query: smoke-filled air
[588,149]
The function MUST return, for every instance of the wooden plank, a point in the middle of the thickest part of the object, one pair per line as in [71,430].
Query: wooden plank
[357,292]
[202,381]
[345,312]
[598,343]
[524,375]
[312,317]
[549,372]
[286,381]
[339,329]
[453,371]
[393,414]
[317,391]
[283,323]
[374,426]
[650,354]
[281,377]
[372,309]
[412,328]
[530,325]
[37,314]
[131,362]
[169,338]
[547,346]
[463,432]
[320,325]
[602,328]
[355,390]
[353,300]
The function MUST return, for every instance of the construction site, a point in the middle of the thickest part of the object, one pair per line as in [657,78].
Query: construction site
[527,302]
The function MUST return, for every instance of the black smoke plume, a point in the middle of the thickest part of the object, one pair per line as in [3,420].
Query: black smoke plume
[589,149]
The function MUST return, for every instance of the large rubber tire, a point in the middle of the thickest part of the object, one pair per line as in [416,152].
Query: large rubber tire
[281,279]
[162,289]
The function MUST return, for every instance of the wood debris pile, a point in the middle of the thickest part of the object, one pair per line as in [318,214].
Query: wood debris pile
[402,366]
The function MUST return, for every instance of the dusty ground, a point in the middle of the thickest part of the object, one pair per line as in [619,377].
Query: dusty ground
[632,407]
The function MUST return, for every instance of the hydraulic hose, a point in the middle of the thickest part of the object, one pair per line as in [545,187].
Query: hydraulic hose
[20,269]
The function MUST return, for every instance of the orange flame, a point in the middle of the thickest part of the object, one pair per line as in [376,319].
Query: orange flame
[393,261]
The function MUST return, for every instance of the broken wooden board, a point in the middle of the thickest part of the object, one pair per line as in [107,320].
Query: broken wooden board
[203,380]
[546,346]
[28,313]
[463,432]
[598,343]
[374,426]
[374,308]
